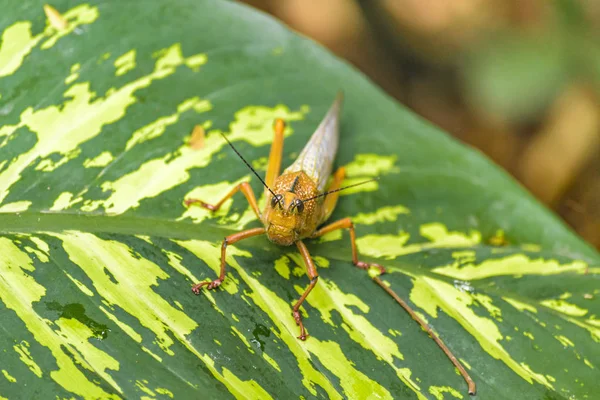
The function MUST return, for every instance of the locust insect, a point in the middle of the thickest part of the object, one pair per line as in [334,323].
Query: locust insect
[299,202]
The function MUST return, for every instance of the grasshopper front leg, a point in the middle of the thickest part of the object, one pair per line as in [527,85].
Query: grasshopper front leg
[236,237]
[311,271]
[272,172]
[246,189]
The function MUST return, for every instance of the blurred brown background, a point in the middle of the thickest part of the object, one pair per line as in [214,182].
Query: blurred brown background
[518,79]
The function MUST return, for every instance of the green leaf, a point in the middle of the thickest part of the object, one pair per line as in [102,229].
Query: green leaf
[98,253]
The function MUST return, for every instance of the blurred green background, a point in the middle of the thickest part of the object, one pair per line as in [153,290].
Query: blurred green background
[517,79]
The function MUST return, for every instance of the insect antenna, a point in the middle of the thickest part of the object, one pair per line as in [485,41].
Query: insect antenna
[343,188]
[247,164]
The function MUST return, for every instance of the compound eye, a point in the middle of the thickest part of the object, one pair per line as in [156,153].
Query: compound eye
[299,205]
[276,199]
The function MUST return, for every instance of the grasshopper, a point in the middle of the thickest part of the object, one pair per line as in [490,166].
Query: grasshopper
[299,202]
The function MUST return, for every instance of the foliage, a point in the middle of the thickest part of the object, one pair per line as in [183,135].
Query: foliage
[98,252]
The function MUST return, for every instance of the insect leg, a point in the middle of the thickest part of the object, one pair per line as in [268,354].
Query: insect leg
[311,271]
[331,199]
[434,336]
[346,223]
[275,155]
[236,237]
[244,187]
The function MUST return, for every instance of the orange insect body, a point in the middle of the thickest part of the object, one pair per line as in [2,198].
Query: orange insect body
[297,204]
[286,223]
[296,207]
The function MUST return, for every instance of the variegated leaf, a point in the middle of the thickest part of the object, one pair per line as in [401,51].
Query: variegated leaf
[98,102]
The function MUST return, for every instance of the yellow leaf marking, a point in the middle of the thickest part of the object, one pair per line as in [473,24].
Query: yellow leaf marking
[430,294]
[18,206]
[80,118]
[564,307]
[464,256]
[383,214]
[8,376]
[125,63]
[260,118]
[282,266]
[466,364]
[164,391]
[532,248]
[62,201]
[194,62]
[331,236]
[49,165]
[81,15]
[212,257]
[93,255]
[101,160]
[366,166]
[23,350]
[279,311]
[243,338]
[124,327]
[487,303]
[544,380]
[371,165]
[260,164]
[249,389]
[18,291]
[519,305]
[392,246]
[175,262]
[565,341]
[38,254]
[77,335]
[149,352]
[272,362]
[43,250]
[515,265]
[367,187]
[327,297]
[16,44]
[158,127]
[74,74]
[355,384]
[253,124]
[438,392]
[17,41]
[141,384]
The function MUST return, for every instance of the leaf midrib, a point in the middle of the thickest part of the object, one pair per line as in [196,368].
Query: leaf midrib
[50,221]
